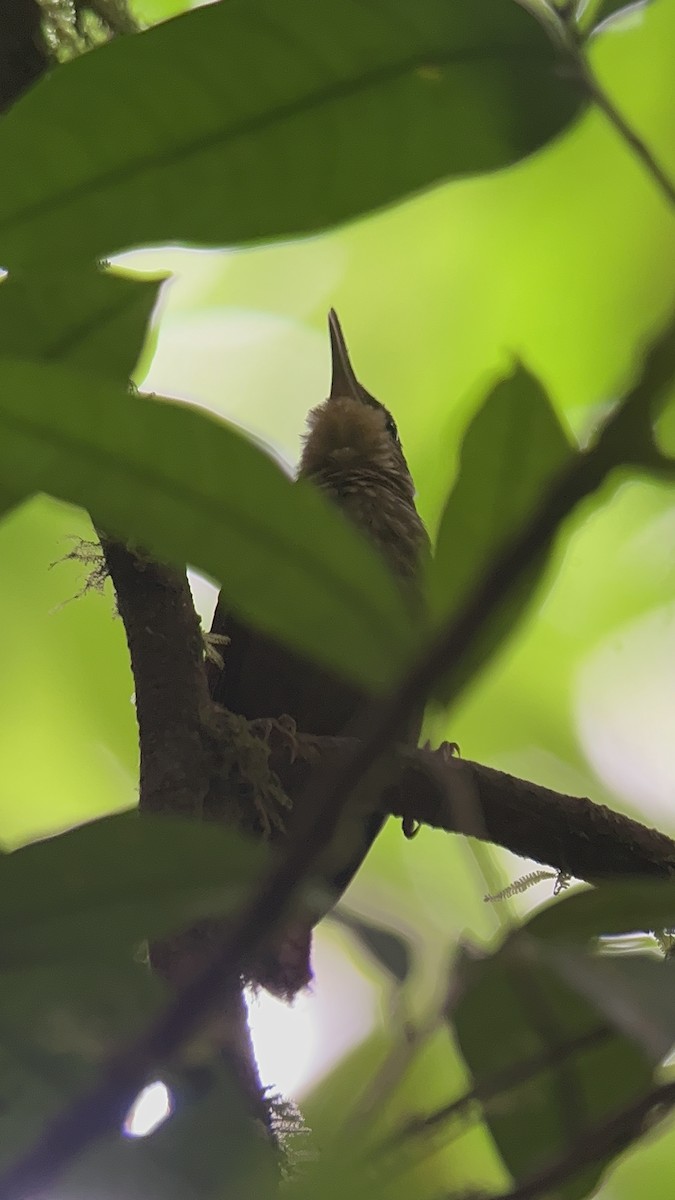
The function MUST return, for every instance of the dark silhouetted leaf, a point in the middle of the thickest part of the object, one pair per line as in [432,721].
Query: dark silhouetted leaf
[90,319]
[306,115]
[635,991]
[209,1139]
[552,1064]
[189,488]
[633,906]
[57,1026]
[108,885]
[389,949]
[512,450]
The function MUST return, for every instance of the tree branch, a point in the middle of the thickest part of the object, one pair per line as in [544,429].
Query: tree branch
[23,56]
[570,833]
[179,762]
[165,647]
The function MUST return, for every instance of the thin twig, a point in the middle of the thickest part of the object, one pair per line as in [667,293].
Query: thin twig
[560,22]
[572,834]
[633,141]
[599,1141]
[497,1085]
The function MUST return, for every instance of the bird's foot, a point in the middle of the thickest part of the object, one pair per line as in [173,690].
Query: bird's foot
[447,751]
[270,799]
[285,730]
[242,756]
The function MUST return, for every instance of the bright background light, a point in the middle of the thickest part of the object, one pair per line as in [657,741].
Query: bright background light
[150,1109]
[296,1045]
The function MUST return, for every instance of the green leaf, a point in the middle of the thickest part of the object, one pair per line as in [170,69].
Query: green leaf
[513,448]
[551,1064]
[108,885]
[305,116]
[390,950]
[89,319]
[635,991]
[57,1026]
[73,987]
[210,1140]
[633,906]
[189,488]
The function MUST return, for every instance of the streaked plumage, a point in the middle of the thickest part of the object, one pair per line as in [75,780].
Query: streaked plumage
[353,454]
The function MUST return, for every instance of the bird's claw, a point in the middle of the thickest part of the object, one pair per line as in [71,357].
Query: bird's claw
[410,827]
[285,729]
[447,750]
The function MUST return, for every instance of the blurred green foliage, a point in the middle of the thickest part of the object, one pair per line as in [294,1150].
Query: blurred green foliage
[564,262]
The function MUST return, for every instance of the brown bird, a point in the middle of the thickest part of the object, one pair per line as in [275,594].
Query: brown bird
[353,453]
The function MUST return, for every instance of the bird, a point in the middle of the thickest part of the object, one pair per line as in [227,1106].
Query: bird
[352,453]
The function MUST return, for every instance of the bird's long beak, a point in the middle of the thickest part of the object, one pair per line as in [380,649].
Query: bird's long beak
[344,382]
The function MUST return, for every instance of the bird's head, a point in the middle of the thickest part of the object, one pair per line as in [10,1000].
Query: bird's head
[351,433]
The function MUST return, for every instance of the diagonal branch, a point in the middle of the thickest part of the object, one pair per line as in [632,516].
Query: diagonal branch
[560,22]
[608,1137]
[570,833]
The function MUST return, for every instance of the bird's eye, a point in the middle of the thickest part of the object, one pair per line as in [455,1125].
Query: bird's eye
[390,426]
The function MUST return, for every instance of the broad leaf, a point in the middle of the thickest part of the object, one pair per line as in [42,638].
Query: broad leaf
[189,488]
[57,1026]
[106,886]
[390,950]
[551,1066]
[631,906]
[254,119]
[209,1141]
[635,991]
[513,449]
[73,986]
[89,319]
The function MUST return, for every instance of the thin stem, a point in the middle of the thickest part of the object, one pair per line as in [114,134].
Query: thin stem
[599,1141]
[561,25]
[498,1085]
[625,131]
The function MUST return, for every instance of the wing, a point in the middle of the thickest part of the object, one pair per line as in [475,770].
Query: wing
[262,678]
